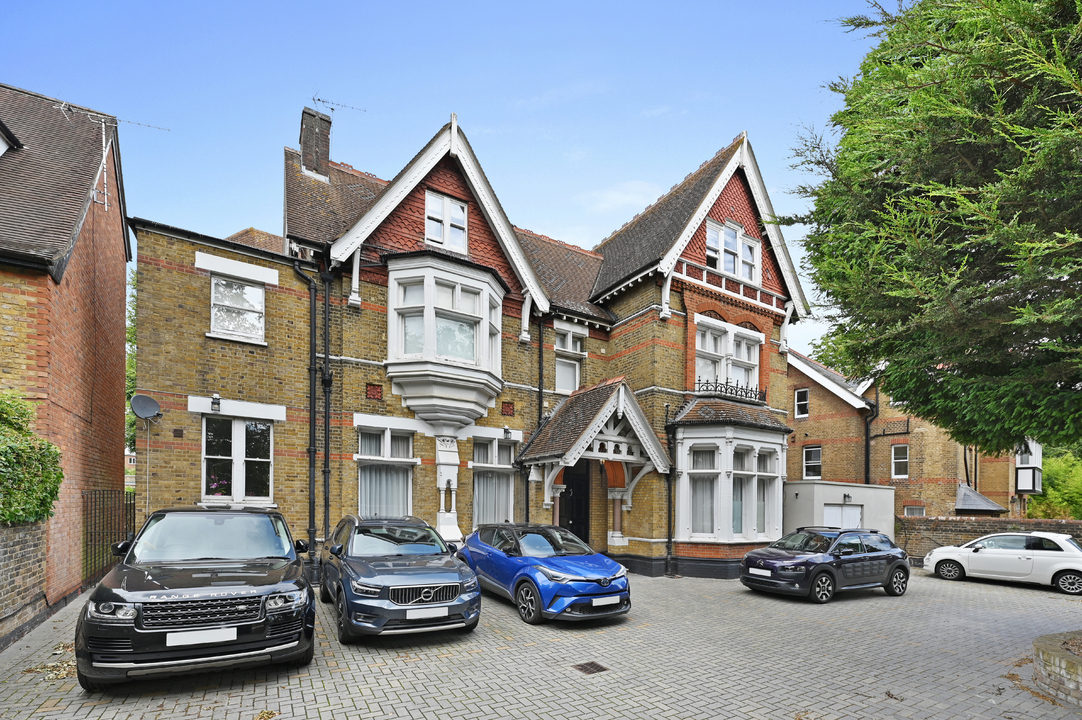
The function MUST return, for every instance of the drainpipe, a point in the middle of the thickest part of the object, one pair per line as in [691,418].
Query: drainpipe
[868,419]
[671,437]
[311,410]
[540,368]
[328,381]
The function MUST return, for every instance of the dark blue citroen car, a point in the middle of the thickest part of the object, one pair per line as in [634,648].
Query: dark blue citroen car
[818,561]
[389,576]
[547,571]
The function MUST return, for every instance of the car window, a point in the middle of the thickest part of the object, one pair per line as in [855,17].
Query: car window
[849,542]
[184,536]
[811,542]
[1006,542]
[1074,543]
[486,535]
[550,542]
[390,540]
[341,536]
[1040,543]
[503,540]
[877,543]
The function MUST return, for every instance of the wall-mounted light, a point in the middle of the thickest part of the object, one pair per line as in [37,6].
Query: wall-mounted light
[216,403]
[846,498]
[506,433]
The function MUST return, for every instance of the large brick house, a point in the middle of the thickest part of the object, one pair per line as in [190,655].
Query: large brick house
[402,347]
[846,431]
[63,249]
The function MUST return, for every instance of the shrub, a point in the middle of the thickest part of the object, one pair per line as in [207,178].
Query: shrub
[30,473]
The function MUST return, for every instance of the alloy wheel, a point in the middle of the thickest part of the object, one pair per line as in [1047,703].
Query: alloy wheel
[1070,583]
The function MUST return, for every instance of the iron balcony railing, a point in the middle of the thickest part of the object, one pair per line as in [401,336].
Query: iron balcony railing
[727,389]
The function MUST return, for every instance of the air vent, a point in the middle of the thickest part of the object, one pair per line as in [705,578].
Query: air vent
[590,668]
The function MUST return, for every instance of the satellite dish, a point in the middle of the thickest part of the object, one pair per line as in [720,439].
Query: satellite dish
[145,407]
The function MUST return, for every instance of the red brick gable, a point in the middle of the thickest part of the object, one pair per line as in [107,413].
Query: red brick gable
[736,203]
[403,230]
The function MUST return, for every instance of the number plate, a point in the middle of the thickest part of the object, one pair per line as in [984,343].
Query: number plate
[200,637]
[614,600]
[759,571]
[418,613]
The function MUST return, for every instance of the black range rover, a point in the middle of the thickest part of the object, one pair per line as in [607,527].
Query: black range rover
[198,589]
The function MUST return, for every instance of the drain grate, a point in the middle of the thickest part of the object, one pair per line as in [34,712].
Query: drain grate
[590,668]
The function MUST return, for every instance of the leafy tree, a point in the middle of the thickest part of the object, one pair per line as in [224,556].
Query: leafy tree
[30,473]
[1062,485]
[945,223]
[129,362]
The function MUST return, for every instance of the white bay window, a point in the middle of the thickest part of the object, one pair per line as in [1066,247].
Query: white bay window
[726,354]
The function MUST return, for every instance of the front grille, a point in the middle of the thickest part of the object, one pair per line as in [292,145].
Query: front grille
[108,645]
[424,594]
[193,613]
[590,609]
[289,628]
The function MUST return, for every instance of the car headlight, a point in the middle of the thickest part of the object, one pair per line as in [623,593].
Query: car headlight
[469,584]
[365,590]
[792,568]
[287,601]
[557,576]
[622,572]
[110,612]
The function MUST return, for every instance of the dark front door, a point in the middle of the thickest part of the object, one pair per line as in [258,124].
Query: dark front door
[575,501]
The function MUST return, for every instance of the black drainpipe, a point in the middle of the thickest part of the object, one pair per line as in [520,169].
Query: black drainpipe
[328,381]
[540,368]
[670,435]
[311,410]
[868,419]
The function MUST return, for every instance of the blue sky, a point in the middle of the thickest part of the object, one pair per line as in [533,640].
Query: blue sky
[581,114]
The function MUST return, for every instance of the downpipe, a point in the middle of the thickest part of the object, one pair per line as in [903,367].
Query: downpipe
[312,290]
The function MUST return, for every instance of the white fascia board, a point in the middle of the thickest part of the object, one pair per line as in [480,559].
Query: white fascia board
[353,238]
[233,268]
[844,393]
[624,401]
[380,422]
[773,231]
[237,408]
[3,145]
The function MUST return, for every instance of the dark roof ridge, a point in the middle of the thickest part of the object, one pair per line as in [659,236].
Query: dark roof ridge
[672,190]
[49,97]
[610,381]
[346,167]
[553,240]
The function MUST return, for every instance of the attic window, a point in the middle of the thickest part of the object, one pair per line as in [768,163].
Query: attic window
[729,250]
[445,222]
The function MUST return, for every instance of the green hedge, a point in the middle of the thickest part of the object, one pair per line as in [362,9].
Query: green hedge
[30,473]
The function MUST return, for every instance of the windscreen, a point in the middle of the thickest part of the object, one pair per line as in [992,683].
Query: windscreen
[178,537]
[387,540]
[809,542]
[551,542]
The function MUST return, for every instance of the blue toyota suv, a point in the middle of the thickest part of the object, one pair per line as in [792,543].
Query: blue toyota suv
[818,561]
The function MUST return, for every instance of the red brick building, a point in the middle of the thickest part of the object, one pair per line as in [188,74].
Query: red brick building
[63,249]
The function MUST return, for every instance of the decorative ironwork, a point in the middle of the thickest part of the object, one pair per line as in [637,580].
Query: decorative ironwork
[726,389]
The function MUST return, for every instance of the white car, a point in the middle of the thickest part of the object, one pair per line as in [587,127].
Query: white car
[1034,557]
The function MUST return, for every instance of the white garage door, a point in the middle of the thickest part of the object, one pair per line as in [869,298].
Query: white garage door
[843,516]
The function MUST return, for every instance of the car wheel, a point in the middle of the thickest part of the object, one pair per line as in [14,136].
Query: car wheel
[950,570]
[308,656]
[529,604]
[89,685]
[324,595]
[1069,581]
[345,635]
[899,581]
[822,588]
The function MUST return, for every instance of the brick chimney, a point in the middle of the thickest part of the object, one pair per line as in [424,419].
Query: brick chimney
[315,141]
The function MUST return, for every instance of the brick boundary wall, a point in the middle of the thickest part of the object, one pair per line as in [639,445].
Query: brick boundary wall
[22,592]
[1056,670]
[918,535]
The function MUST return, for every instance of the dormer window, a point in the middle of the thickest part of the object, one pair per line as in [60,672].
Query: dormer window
[445,221]
[728,249]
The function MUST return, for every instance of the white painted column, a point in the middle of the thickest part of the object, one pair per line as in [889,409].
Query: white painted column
[447,479]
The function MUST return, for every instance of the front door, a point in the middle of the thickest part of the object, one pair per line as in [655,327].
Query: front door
[575,501]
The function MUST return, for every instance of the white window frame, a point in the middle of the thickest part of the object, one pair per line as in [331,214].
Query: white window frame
[445,221]
[569,341]
[239,459]
[730,338]
[713,473]
[431,274]
[216,332]
[500,471]
[798,402]
[895,461]
[912,511]
[718,253]
[804,456]
[385,458]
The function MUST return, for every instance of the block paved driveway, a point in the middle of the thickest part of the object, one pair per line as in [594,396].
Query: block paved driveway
[690,648]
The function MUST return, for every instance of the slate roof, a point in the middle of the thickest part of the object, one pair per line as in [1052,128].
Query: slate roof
[566,272]
[319,212]
[562,430]
[714,411]
[258,238]
[650,235]
[969,500]
[830,374]
[46,184]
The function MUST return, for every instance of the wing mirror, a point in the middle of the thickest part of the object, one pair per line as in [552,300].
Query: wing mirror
[121,549]
[337,550]
[844,551]
[301,546]
[978,547]
[452,548]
